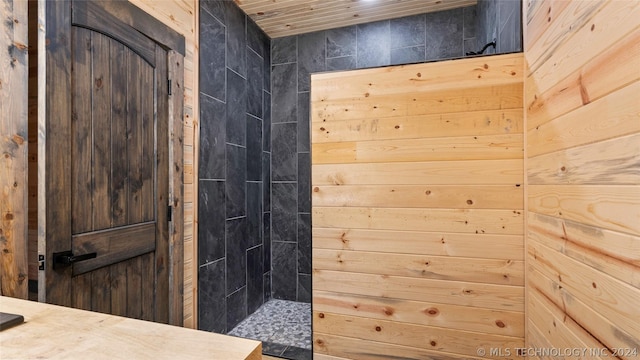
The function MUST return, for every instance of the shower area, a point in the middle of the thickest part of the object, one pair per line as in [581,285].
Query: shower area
[254,163]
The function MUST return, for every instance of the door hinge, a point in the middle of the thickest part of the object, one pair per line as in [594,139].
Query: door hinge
[169,85]
[170,213]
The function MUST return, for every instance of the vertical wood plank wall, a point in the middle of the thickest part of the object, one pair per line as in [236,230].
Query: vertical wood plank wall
[417,205]
[582,97]
[14,68]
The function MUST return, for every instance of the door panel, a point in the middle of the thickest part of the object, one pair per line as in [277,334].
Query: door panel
[116,191]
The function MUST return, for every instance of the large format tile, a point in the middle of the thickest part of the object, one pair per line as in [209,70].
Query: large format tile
[255,278]
[304,141]
[212,307]
[373,44]
[236,181]
[304,243]
[342,63]
[284,212]
[212,56]
[444,34]
[284,88]
[304,182]
[408,55]
[341,42]
[236,234]
[407,31]
[254,148]
[284,50]
[211,215]
[213,121]
[236,39]
[304,288]
[255,67]
[266,242]
[215,8]
[266,122]
[283,155]
[254,214]
[311,57]
[266,181]
[236,307]
[236,108]
[284,277]
[256,38]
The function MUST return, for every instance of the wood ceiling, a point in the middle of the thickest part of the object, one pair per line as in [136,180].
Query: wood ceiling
[280,18]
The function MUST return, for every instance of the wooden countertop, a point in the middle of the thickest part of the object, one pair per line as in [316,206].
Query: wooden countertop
[56,332]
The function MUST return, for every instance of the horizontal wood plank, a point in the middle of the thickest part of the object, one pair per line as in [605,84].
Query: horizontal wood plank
[476,319]
[592,22]
[490,296]
[492,271]
[475,72]
[619,246]
[561,331]
[437,196]
[615,115]
[419,103]
[611,162]
[418,336]
[564,241]
[447,220]
[356,348]
[489,246]
[113,245]
[598,325]
[491,122]
[614,208]
[487,172]
[604,294]
[606,73]
[413,150]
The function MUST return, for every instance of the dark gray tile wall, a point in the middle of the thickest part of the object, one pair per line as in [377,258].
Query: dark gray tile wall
[499,20]
[234,256]
[405,40]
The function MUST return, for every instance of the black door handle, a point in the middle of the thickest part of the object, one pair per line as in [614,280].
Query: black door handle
[67,258]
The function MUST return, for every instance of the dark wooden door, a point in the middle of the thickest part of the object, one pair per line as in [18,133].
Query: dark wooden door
[107,196]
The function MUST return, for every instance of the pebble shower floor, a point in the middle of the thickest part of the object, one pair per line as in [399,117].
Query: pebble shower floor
[284,327]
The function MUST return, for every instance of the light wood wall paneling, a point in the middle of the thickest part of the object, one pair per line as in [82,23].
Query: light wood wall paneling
[364,349]
[611,162]
[378,83]
[450,316]
[489,122]
[583,167]
[416,196]
[606,72]
[599,326]
[490,296]
[435,101]
[613,298]
[423,219]
[417,193]
[489,172]
[492,271]
[562,332]
[615,115]
[14,163]
[416,150]
[488,246]
[417,336]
